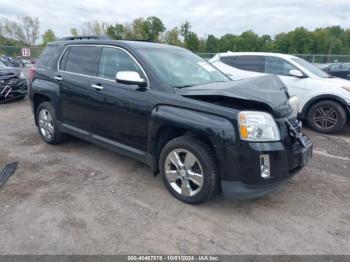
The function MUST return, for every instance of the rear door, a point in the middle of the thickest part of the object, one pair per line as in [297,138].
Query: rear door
[245,66]
[78,65]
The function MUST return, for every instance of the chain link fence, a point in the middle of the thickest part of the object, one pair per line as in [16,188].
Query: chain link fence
[15,51]
[312,58]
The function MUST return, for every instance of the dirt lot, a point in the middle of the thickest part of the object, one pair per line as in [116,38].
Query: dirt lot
[77,198]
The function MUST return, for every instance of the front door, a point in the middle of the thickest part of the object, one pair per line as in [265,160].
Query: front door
[281,67]
[121,111]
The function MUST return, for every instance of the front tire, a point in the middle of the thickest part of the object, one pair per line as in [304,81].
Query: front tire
[327,117]
[189,171]
[47,125]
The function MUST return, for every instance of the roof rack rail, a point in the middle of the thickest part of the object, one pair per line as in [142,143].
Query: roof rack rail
[85,37]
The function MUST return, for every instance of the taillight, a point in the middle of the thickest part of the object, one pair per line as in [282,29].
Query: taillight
[31,73]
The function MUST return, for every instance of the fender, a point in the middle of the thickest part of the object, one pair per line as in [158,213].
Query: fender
[218,130]
[324,97]
[49,89]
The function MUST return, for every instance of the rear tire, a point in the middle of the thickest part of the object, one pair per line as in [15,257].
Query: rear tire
[189,171]
[47,124]
[327,117]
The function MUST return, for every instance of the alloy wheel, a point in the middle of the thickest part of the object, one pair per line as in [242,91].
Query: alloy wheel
[325,117]
[46,124]
[184,172]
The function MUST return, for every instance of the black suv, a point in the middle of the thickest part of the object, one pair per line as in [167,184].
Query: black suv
[170,109]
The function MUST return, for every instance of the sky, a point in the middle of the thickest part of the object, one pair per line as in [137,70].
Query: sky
[206,16]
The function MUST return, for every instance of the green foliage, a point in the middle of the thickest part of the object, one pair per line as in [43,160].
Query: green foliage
[328,40]
[48,36]
[148,29]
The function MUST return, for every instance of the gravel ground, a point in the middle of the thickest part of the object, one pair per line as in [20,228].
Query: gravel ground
[77,198]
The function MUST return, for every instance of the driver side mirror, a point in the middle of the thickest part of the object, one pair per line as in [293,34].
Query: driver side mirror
[296,73]
[130,78]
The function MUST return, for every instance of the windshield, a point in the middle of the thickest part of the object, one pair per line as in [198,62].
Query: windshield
[311,68]
[181,68]
[2,64]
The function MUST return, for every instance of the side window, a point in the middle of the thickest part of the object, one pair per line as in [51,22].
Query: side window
[114,60]
[228,60]
[336,67]
[82,60]
[277,66]
[249,63]
[48,57]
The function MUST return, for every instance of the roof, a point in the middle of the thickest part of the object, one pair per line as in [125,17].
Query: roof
[229,53]
[121,43]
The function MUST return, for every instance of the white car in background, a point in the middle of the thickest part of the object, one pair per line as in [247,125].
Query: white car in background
[324,101]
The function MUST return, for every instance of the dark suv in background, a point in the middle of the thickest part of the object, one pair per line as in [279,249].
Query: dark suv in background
[170,109]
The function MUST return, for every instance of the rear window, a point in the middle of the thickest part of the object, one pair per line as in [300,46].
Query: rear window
[48,57]
[81,60]
[248,63]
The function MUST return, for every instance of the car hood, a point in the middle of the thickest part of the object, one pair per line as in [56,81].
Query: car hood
[6,72]
[336,80]
[260,93]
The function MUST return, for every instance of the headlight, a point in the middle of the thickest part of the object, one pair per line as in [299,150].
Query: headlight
[257,126]
[294,103]
[347,88]
[22,76]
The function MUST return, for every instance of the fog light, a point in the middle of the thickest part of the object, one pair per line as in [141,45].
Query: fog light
[265,166]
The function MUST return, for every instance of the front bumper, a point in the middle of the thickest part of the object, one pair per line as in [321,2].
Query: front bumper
[243,178]
[12,92]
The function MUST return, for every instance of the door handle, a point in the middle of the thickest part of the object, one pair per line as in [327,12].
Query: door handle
[58,78]
[97,87]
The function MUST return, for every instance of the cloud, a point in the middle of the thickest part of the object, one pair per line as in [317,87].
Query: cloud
[206,16]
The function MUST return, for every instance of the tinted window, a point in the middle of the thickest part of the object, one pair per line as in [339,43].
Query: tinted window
[228,60]
[277,66]
[48,57]
[114,60]
[82,60]
[249,63]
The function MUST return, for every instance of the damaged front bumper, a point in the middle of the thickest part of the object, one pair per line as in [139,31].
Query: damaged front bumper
[15,91]
[263,167]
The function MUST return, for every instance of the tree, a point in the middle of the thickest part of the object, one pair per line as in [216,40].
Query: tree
[212,44]
[192,42]
[25,30]
[116,31]
[154,28]
[172,37]
[74,32]
[90,28]
[48,36]
[94,28]
[185,29]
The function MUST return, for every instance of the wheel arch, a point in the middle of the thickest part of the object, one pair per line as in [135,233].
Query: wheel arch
[313,101]
[165,126]
[39,98]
